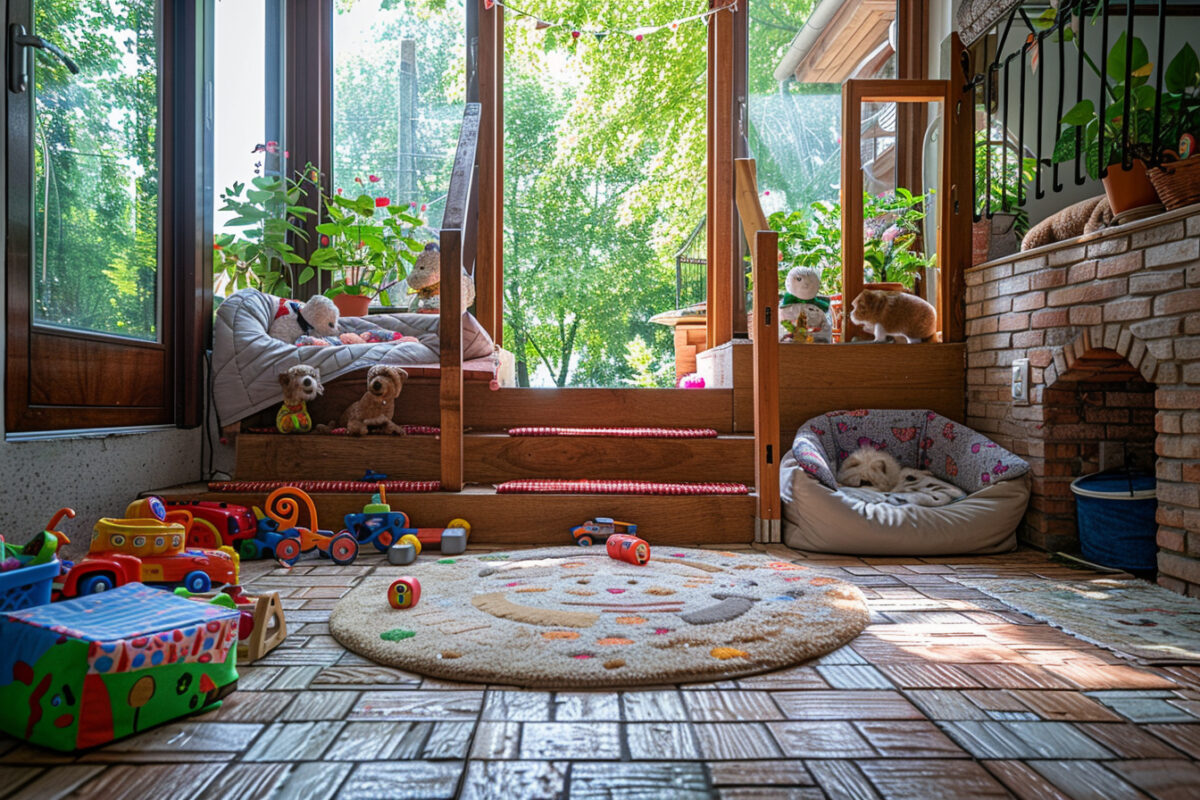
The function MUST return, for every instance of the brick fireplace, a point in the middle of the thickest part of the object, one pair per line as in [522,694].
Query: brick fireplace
[1110,323]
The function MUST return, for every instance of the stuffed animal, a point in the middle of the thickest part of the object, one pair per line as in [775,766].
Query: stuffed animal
[1075,220]
[318,317]
[366,337]
[803,313]
[425,278]
[375,408]
[898,314]
[300,384]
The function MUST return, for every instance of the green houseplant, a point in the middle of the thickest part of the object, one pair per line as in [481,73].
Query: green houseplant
[999,158]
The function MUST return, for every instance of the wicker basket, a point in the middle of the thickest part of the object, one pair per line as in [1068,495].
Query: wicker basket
[1177,182]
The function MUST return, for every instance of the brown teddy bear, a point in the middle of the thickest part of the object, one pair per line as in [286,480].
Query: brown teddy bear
[1083,217]
[375,408]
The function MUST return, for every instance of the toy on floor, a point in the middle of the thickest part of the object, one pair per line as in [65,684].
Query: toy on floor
[216,524]
[628,548]
[261,627]
[901,315]
[404,551]
[404,592]
[377,405]
[599,529]
[803,311]
[283,507]
[317,317]
[380,526]
[27,573]
[84,672]
[300,384]
[424,281]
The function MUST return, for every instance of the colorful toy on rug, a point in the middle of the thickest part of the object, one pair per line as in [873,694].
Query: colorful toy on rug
[628,548]
[804,312]
[377,405]
[283,507]
[404,551]
[318,317]
[599,529]
[300,384]
[424,282]
[84,672]
[404,592]
[150,549]
[27,573]
[215,525]
[380,526]
[261,626]
[901,315]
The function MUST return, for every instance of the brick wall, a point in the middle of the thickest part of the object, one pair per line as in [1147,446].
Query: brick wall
[1111,326]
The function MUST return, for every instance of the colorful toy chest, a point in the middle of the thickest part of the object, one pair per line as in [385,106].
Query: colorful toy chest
[84,672]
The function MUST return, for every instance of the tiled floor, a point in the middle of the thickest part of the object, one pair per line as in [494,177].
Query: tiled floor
[947,694]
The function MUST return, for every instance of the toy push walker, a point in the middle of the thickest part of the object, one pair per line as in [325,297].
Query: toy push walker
[389,530]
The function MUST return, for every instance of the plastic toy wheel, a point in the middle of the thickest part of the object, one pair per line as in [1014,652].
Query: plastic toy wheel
[197,582]
[459,522]
[248,549]
[94,584]
[203,534]
[584,541]
[343,549]
[383,541]
[288,550]
[408,538]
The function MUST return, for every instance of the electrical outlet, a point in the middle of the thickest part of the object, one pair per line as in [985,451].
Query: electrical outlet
[1020,381]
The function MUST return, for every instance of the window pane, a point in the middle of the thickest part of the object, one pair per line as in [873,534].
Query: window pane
[95,140]
[399,88]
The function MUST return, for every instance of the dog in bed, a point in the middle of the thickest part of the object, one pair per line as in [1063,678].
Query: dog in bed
[868,471]
[375,408]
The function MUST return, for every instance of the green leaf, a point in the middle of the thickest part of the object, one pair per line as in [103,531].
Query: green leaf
[1115,65]
[330,229]
[1184,71]
[1064,148]
[306,274]
[266,182]
[1080,114]
[260,195]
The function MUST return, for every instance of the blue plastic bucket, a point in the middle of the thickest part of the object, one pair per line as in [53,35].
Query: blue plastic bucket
[28,586]
[1114,513]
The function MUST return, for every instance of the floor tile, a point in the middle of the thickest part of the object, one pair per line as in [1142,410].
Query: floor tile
[650,706]
[845,705]
[1182,737]
[842,779]
[402,779]
[1086,780]
[944,704]
[294,741]
[1023,781]
[245,706]
[759,773]
[13,777]
[737,741]
[1145,709]
[517,706]
[250,780]
[794,678]
[559,740]
[771,793]
[823,739]
[152,781]
[181,738]
[502,780]
[577,706]
[313,705]
[1022,740]
[1014,676]
[417,705]
[903,779]
[1164,779]
[679,781]
[730,706]
[1056,705]
[657,741]
[1132,741]
[928,676]
[1110,676]
[908,739]
[383,741]
[854,676]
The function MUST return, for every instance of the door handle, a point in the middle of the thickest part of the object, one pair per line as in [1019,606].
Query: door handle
[18,65]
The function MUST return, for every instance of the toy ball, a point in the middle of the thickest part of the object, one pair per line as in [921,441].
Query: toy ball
[629,548]
[404,592]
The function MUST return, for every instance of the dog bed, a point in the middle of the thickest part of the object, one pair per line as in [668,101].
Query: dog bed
[818,516]
[246,359]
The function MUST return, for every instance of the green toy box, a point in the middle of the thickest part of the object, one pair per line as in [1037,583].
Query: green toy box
[84,672]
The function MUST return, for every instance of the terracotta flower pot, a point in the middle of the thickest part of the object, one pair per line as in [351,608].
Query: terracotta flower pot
[352,305]
[1128,189]
[889,286]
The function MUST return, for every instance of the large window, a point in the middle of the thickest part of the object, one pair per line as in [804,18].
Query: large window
[91,261]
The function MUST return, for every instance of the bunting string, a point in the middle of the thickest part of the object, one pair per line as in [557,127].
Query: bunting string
[638,33]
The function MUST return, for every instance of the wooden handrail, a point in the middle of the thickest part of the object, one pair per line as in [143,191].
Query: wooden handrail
[455,221]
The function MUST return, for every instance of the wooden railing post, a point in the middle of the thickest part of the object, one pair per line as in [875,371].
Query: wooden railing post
[764,329]
[450,327]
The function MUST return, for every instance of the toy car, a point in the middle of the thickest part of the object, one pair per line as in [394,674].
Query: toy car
[599,529]
[216,524]
[146,550]
[380,526]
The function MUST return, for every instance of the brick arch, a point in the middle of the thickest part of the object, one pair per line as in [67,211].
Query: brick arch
[1105,351]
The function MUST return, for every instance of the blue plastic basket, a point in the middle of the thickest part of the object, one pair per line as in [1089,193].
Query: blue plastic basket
[1114,512]
[28,586]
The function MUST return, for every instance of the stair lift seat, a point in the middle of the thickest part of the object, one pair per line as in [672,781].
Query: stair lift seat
[819,516]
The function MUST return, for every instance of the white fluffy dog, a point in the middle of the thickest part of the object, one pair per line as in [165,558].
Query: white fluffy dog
[869,467]
[318,317]
[875,470]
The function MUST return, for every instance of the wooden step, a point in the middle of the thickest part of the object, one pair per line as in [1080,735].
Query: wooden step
[496,457]
[544,519]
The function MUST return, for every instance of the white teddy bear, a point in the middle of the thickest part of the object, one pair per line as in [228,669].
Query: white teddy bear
[803,313]
[318,317]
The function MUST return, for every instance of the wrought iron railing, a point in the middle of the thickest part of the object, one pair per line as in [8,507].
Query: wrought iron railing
[1047,32]
[691,267]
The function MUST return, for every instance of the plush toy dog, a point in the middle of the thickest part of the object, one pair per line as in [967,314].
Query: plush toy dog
[375,408]
[803,313]
[425,281]
[317,317]
[300,384]
[1074,220]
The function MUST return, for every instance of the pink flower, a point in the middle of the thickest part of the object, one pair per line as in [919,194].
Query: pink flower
[339,191]
[272,147]
[358,180]
[890,234]
[380,202]
[324,241]
[424,207]
[373,178]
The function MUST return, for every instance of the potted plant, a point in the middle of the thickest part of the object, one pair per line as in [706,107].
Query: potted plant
[368,245]
[259,254]
[812,237]
[891,227]
[1000,235]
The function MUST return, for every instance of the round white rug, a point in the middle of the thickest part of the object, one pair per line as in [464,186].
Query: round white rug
[569,617]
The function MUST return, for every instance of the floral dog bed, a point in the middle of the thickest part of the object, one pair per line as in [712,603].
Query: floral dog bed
[819,516]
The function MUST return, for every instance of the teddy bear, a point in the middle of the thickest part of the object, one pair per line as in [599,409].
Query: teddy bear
[300,384]
[425,278]
[803,313]
[318,317]
[1074,220]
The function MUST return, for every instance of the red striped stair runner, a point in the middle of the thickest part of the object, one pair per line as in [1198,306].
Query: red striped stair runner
[317,487]
[538,486]
[411,430]
[630,433]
